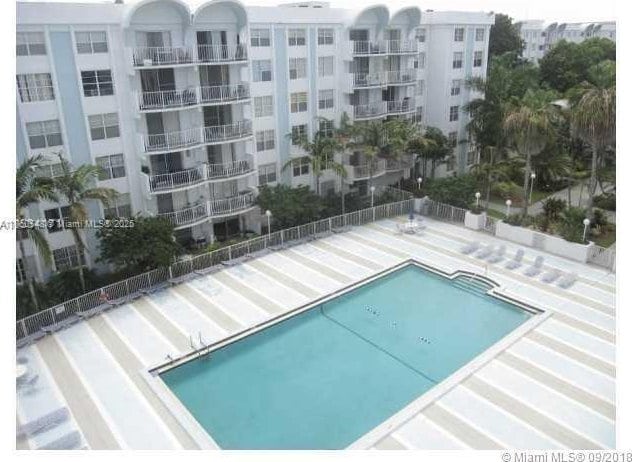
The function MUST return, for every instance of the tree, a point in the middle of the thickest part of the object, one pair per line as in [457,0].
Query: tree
[290,206]
[491,170]
[457,190]
[31,189]
[529,127]
[76,187]
[437,148]
[504,36]
[147,245]
[593,120]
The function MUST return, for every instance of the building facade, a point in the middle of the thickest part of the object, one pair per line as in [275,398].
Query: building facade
[188,108]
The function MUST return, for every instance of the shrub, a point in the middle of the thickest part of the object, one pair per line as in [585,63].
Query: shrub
[543,222]
[508,190]
[552,208]
[516,220]
[607,201]
[457,191]
[477,209]
[572,224]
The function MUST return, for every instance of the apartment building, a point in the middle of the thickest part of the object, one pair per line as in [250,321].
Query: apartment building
[539,37]
[189,108]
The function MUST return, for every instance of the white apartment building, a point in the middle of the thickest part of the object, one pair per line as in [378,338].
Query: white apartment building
[189,107]
[539,38]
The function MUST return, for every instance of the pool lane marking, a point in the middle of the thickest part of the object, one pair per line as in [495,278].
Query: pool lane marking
[316,266]
[198,299]
[388,443]
[90,415]
[463,430]
[271,307]
[130,363]
[218,330]
[176,337]
[548,426]
[291,266]
[268,271]
[369,264]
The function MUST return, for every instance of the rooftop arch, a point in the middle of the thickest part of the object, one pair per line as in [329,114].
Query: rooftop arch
[409,16]
[149,9]
[221,11]
[375,14]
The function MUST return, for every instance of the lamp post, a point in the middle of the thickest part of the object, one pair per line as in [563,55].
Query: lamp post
[419,180]
[586,224]
[508,204]
[478,196]
[531,191]
[372,188]
[268,215]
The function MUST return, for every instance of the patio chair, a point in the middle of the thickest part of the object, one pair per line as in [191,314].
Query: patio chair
[536,268]
[471,247]
[567,280]
[516,261]
[485,252]
[551,276]
[68,441]
[498,254]
[44,422]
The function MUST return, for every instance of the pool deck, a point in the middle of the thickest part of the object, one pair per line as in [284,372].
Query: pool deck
[554,387]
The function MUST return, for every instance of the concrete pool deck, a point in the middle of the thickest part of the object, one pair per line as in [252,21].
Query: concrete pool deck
[552,388]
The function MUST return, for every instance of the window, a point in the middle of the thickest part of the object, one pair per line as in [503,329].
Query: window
[455,90]
[120,207]
[67,258]
[457,60]
[326,128]
[300,167]
[298,102]
[296,37]
[480,34]
[325,66]
[454,113]
[264,106]
[420,34]
[452,139]
[422,60]
[299,132]
[265,140]
[261,70]
[267,174]
[260,37]
[478,59]
[421,86]
[298,68]
[91,42]
[35,87]
[325,99]
[44,134]
[325,36]
[55,218]
[30,44]
[113,166]
[459,32]
[104,126]
[97,83]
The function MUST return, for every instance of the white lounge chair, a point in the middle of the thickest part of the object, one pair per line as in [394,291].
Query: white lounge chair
[567,280]
[498,254]
[471,248]
[536,268]
[44,422]
[516,261]
[551,276]
[485,252]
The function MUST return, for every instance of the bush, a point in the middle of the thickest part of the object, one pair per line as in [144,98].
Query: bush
[552,208]
[572,224]
[477,209]
[543,222]
[508,190]
[457,191]
[607,201]
[517,220]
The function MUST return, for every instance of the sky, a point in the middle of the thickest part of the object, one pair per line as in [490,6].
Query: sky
[548,10]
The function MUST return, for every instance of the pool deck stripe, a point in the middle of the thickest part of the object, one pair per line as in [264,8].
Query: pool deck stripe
[352,257]
[389,443]
[561,386]
[573,353]
[207,307]
[248,292]
[284,279]
[545,424]
[323,269]
[172,333]
[458,427]
[131,365]
[384,248]
[585,327]
[86,413]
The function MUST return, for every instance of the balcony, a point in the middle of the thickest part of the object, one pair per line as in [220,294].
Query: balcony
[192,137]
[187,216]
[393,165]
[365,47]
[400,47]
[366,170]
[231,205]
[201,174]
[402,106]
[149,101]
[406,77]
[221,53]
[367,80]
[162,56]
[369,111]
[221,133]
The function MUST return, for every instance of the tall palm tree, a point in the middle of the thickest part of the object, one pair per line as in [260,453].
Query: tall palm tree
[529,126]
[492,170]
[76,187]
[593,120]
[31,189]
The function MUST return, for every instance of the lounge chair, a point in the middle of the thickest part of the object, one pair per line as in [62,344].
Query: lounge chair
[44,423]
[498,254]
[68,441]
[485,252]
[551,276]
[471,247]
[516,261]
[22,360]
[567,280]
[536,268]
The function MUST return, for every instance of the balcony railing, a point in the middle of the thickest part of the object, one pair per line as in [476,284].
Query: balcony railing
[401,106]
[162,56]
[367,170]
[365,47]
[231,205]
[367,111]
[186,139]
[398,164]
[233,131]
[400,77]
[187,215]
[230,169]
[402,46]
[367,80]
[221,53]
[212,208]
[224,93]
[168,99]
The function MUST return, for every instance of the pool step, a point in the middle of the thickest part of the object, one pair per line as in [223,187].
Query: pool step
[472,285]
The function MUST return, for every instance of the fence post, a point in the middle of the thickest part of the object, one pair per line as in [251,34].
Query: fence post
[373,213]
[330,224]
[229,253]
[282,237]
[148,280]
[127,286]
[170,272]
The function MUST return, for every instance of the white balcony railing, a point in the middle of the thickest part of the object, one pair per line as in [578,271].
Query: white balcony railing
[187,215]
[367,111]
[365,47]
[221,53]
[402,46]
[230,169]
[162,56]
[367,80]
[401,106]
[186,139]
[400,77]
[366,170]
[168,99]
[213,208]
[224,93]
[231,205]
[233,131]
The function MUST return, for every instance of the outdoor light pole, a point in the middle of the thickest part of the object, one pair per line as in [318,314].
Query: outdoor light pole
[531,191]
[268,214]
[508,204]
[478,196]
[586,223]
[372,192]
[419,180]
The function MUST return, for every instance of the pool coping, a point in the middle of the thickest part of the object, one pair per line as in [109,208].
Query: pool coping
[206,441]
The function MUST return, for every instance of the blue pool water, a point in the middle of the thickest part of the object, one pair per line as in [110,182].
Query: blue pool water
[322,379]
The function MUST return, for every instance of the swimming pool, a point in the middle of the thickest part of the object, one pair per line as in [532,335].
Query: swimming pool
[323,378]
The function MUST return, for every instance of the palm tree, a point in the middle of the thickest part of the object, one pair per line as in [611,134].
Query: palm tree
[529,126]
[30,189]
[75,187]
[491,170]
[593,120]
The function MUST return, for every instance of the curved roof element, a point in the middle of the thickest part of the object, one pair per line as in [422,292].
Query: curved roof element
[410,16]
[372,14]
[179,5]
[234,7]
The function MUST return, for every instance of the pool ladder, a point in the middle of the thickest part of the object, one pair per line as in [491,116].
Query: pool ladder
[202,350]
